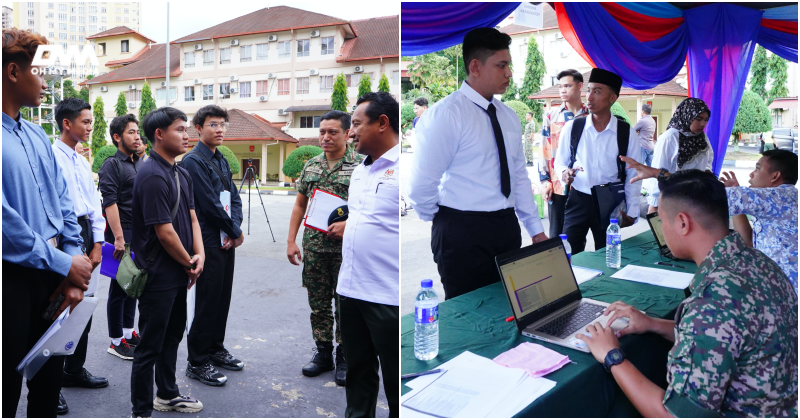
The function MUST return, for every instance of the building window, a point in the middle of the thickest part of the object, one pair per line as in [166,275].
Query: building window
[102,10]
[208,92]
[303,47]
[72,9]
[62,36]
[208,57]
[224,90]
[81,39]
[245,53]
[92,9]
[353,79]
[30,13]
[126,19]
[102,46]
[188,93]
[73,38]
[309,122]
[62,7]
[161,93]
[124,46]
[119,10]
[51,35]
[189,60]
[262,87]
[327,45]
[50,15]
[93,19]
[31,23]
[244,89]
[62,17]
[62,26]
[51,24]
[50,5]
[126,11]
[133,95]
[283,86]
[82,29]
[302,85]
[225,56]
[73,19]
[102,28]
[92,29]
[396,77]
[72,28]
[119,19]
[81,10]
[325,84]
[262,51]
[284,49]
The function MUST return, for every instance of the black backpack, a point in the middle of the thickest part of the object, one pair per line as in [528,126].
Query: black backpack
[623,134]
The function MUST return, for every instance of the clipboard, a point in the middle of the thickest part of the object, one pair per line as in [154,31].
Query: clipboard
[322,205]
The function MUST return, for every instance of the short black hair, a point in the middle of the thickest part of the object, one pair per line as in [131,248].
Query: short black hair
[119,124]
[208,111]
[343,117]
[69,108]
[701,191]
[529,113]
[421,101]
[785,162]
[482,43]
[647,109]
[382,103]
[160,118]
[576,75]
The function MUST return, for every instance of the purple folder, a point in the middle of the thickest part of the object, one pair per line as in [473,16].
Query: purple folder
[109,266]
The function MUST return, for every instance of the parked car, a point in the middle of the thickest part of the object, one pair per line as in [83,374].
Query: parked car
[785,138]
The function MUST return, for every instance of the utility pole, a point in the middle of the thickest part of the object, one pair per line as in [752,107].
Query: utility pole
[168,69]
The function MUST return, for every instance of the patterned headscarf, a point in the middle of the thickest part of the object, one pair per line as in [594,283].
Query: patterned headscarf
[689,143]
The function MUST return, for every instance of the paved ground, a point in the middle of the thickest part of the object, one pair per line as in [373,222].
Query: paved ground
[268,328]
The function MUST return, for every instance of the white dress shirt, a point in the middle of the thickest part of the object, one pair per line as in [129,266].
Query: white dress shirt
[666,157]
[370,268]
[597,154]
[456,163]
[78,175]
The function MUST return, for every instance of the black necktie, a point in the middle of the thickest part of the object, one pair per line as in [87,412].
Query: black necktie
[505,180]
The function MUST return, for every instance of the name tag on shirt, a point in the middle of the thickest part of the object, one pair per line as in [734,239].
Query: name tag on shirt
[225,199]
[314,170]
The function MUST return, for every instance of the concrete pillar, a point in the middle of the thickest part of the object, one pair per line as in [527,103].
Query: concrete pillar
[282,149]
[262,171]
[674,106]
[638,108]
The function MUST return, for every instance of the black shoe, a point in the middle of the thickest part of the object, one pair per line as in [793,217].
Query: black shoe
[529,163]
[322,360]
[341,367]
[206,374]
[224,360]
[62,405]
[123,350]
[83,380]
[134,340]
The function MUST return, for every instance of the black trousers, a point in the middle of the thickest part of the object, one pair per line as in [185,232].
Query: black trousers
[213,302]
[26,294]
[120,308]
[555,212]
[579,219]
[371,334]
[464,244]
[74,362]
[162,320]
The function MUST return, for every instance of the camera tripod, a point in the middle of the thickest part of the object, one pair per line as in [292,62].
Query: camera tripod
[250,175]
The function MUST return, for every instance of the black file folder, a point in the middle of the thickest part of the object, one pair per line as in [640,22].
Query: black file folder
[606,199]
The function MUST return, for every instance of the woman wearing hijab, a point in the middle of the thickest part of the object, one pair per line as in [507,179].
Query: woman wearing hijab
[683,146]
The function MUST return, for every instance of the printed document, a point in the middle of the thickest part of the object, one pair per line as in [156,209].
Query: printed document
[655,276]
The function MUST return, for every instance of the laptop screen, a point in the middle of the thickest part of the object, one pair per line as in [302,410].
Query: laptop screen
[655,226]
[538,280]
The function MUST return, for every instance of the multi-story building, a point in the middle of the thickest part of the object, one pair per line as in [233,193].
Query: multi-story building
[71,23]
[8,19]
[118,47]
[277,64]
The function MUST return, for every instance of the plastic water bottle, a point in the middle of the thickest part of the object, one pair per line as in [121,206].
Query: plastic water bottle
[613,245]
[426,322]
[567,248]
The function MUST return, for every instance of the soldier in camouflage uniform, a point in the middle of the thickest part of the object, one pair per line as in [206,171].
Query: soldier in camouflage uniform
[735,351]
[330,172]
[527,138]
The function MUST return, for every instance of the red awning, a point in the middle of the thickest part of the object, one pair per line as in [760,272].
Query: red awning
[783,103]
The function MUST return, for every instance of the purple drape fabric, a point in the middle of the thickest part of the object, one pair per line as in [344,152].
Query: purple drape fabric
[780,43]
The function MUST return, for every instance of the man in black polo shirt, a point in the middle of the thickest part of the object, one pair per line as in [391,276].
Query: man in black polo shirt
[159,185]
[117,200]
[212,178]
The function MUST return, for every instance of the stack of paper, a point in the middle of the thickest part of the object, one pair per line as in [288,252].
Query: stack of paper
[583,274]
[655,276]
[472,386]
[535,359]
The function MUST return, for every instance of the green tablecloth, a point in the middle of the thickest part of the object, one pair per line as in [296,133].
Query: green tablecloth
[476,322]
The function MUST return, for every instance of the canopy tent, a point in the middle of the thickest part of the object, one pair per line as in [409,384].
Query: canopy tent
[645,43]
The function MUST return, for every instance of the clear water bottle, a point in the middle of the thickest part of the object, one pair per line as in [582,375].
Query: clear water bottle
[567,248]
[613,245]
[426,322]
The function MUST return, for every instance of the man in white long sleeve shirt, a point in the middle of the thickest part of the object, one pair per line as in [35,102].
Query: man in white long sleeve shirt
[468,172]
[596,163]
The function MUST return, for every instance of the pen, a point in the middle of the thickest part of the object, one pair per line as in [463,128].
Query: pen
[414,375]
[668,264]
[509,319]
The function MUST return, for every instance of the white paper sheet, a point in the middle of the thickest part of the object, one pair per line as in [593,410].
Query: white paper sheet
[582,275]
[320,209]
[54,327]
[225,200]
[654,276]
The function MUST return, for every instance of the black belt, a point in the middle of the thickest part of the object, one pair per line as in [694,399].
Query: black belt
[85,217]
[496,213]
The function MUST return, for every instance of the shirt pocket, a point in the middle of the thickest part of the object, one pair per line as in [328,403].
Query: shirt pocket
[386,202]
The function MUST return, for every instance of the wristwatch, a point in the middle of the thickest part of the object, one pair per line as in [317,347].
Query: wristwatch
[663,173]
[613,357]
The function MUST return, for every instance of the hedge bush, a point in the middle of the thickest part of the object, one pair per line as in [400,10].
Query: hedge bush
[521,109]
[104,153]
[233,162]
[297,160]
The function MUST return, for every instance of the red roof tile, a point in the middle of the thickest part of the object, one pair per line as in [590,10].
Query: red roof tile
[549,21]
[783,103]
[119,30]
[144,52]
[151,65]
[246,127]
[670,88]
[271,19]
[377,37]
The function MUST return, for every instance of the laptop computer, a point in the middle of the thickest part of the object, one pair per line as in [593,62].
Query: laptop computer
[545,297]
[655,226]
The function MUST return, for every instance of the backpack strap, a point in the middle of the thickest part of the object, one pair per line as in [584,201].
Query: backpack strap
[222,178]
[623,136]
[578,124]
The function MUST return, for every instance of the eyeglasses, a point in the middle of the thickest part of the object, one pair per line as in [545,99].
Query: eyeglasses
[224,125]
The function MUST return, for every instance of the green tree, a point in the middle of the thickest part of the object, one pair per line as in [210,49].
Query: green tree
[105,152]
[511,92]
[69,90]
[777,73]
[521,109]
[432,69]
[752,117]
[147,105]
[98,127]
[532,83]
[83,93]
[339,100]
[297,160]
[122,105]
[413,94]
[407,115]
[619,111]
[383,84]
[232,161]
[759,70]
[364,85]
